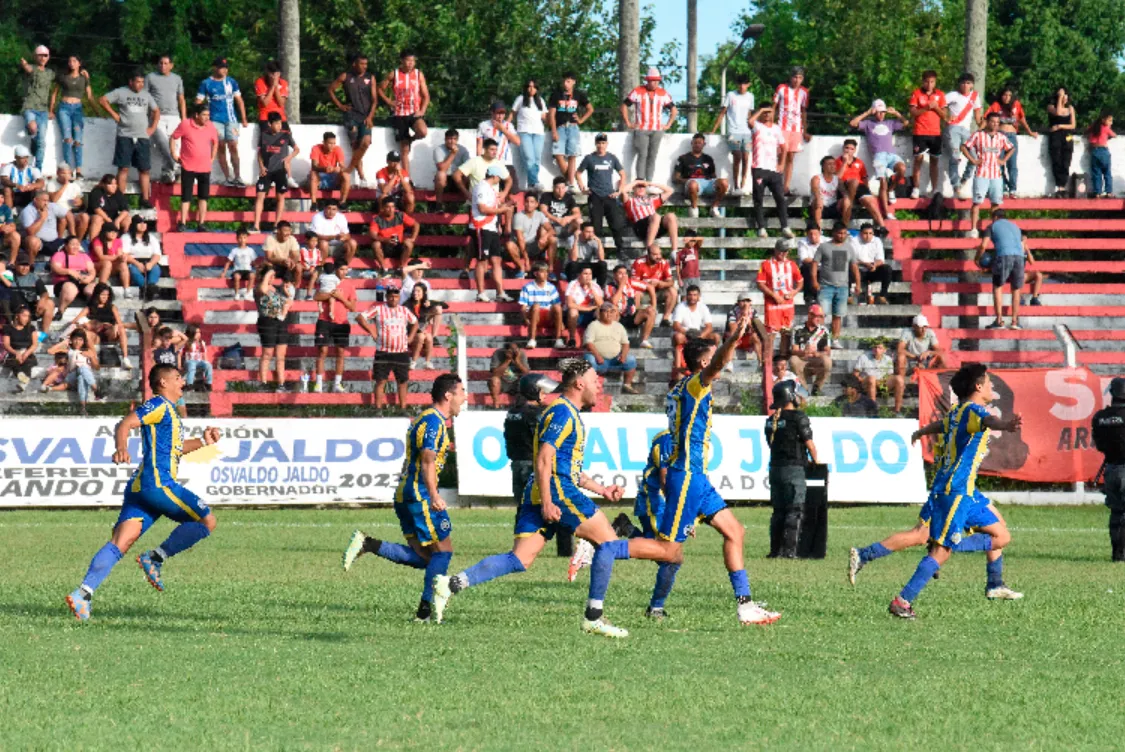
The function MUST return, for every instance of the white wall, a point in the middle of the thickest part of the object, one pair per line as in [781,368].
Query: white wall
[1034,164]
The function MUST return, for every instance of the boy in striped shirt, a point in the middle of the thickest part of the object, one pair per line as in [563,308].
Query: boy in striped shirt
[538,296]
[989,150]
[791,113]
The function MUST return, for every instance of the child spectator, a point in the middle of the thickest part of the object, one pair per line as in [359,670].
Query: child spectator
[687,262]
[241,258]
[276,149]
[311,260]
[394,182]
[81,363]
[54,380]
[538,298]
[195,357]
[165,350]
[1101,168]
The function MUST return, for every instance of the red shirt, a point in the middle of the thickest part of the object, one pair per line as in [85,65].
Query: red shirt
[927,123]
[261,88]
[393,228]
[857,170]
[1101,135]
[651,272]
[392,325]
[791,105]
[195,145]
[637,209]
[389,183]
[649,107]
[687,261]
[335,311]
[327,161]
[1010,115]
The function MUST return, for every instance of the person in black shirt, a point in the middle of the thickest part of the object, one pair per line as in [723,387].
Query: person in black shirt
[855,404]
[20,343]
[1108,433]
[695,171]
[276,150]
[29,289]
[600,168]
[562,211]
[564,118]
[789,435]
[107,203]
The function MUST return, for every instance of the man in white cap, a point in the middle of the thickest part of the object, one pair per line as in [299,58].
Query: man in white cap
[649,102]
[918,347]
[487,211]
[38,80]
[885,161]
[20,179]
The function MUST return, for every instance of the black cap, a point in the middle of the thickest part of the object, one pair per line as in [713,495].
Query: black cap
[220,62]
[23,259]
[394,156]
[600,137]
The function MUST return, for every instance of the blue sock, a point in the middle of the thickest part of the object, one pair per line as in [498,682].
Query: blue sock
[873,552]
[995,570]
[922,576]
[975,542]
[439,564]
[601,569]
[740,581]
[100,567]
[400,553]
[494,566]
[182,538]
[665,579]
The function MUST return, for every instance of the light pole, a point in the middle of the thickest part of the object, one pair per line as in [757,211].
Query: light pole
[753,31]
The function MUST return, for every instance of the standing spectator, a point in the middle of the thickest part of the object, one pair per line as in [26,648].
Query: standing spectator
[750,341]
[538,298]
[779,279]
[530,110]
[29,289]
[196,359]
[833,265]
[696,171]
[109,259]
[927,109]
[332,327]
[282,251]
[327,171]
[141,250]
[607,347]
[198,145]
[878,370]
[649,101]
[389,238]
[987,150]
[167,90]
[1061,124]
[564,118]
[507,365]
[641,210]
[21,179]
[880,131]
[1007,264]
[241,259]
[9,233]
[309,267]
[38,80]
[476,168]
[686,262]
[20,344]
[393,182]
[562,212]
[448,159]
[1101,168]
[964,110]
[102,322]
[652,272]
[67,194]
[43,225]
[271,91]
[583,296]
[600,168]
[824,188]
[73,274]
[811,352]
[691,319]
[81,366]
[411,98]
[107,204]
[626,295]
[740,139]
[484,233]
[331,226]
[499,130]
[769,152]
[532,239]
[273,306]
[221,92]
[791,113]
[276,149]
[392,326]
[1012,117]
[587,253]
[871,262]
[69,91]
[136,118]
[918,347]
[853,403]
[853,178]
[361,92]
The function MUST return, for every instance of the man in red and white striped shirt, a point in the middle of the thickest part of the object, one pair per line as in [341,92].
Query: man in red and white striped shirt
[641,212]
[391,326]
[964,110]
[791,113]
[405,92]
[649,103]
[989,150]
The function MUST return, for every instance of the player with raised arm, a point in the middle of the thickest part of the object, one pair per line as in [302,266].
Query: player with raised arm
[421,511]
[153,492]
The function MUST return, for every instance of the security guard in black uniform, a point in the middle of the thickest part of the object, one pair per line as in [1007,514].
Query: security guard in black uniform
[790,438]
[1108,431]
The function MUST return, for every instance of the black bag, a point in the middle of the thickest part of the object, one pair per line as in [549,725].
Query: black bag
[935,211]
[230,359]
[813,541]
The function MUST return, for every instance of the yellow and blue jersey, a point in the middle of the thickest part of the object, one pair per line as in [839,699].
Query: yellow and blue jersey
[688,406]
[428,431]
[964,446]
[649,506]
[162,442]
[561,426]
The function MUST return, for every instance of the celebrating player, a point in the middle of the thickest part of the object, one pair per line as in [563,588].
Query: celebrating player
[153,491]
[419,507]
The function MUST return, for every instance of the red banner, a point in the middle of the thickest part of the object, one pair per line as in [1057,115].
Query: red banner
[1053,445]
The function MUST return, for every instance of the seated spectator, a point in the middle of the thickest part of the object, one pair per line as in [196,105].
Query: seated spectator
[429,318]
[989,151]
[109,258]
[779,279]
[166,349]
[309,266]
[475,170]
[43,225]
[9,233]
[879,131]
[242,259]
[531,115]
[81,366]
[537,299]
[604,203]
[871,262]
[686,262]
[562,212]
[918,348]
[67,194]
[393,182]
[806,251]
[641,209]
[878,370]
[328,170]
[824,188]
[21,179]
[20,342]
[1006,263]
[102,322]
[507,365]
[273,304]
[276,149]
[137,117]
[142,256]
[587,253]
[768,155]
[486,212]
[833,266]
[690,320]
[392,326]
[583,296]
[194,144]
[652,271]
[29,289]
[751,341]
[607,347]
[106,204]
[853,177]
[532,238]
[73,273]
[853,403]
[811,350]
[196,359]
[695,171]
[54,380]
[413,273]
[781,372]
[331,226]
[626,294]
[388,235]
[448,158]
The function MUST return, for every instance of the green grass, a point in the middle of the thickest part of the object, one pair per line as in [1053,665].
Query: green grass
[262,642]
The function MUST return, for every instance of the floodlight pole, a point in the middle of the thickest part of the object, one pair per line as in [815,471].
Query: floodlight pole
[753,31]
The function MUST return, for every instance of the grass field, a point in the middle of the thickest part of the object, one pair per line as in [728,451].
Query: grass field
[262,642]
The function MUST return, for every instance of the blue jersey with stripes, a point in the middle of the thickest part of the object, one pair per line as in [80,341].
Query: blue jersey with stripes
[428,431]
[561,426]
[650,495]
[219,93]
[964,446]
[162,444]
[688,406]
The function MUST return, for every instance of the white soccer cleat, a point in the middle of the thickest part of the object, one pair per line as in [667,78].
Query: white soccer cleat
[693,211]
[854,565]
[604,628]
[752,613]
[354,549]
[581,558]
[442,594]
[1002,593]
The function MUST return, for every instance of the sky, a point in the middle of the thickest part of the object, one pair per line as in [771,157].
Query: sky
[715,19]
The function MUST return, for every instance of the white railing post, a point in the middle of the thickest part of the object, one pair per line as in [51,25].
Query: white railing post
[1070,349]
[462,354]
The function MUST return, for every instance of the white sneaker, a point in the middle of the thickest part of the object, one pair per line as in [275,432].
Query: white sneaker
[915,193]
[339,388]
[965,191]
[1003,593]
[604,628]
[126,363]
[693,211]
[646,345]
[762,233]
[715,212]
[974,233]
[891,216]
[580,559]
[293,183]
[532,344]
[560,344]
[429,365]
[752,613]
[729,367]
[442,594]
[354,549]
[482,298]
[787,233]
[891,197]
[505,298]
[413,364]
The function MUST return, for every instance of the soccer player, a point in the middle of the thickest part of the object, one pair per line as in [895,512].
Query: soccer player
[153,491]
[421,511]
[957,503]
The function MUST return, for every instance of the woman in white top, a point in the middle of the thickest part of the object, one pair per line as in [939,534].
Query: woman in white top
[531,112]
[142,254]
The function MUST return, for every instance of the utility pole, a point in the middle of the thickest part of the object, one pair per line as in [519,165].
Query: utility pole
[628,47]
[976,40]
[692,55]
[289,54]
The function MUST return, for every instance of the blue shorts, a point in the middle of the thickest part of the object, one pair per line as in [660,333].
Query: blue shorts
[576,508]
[170,500]
[417,519]
[953,516]
[329,181]
[687,496]
[833,299]
[885,162]
[649,513]
[227,131]
[926,513]
[990,188]
[569,143]
[706,187]
[742,142]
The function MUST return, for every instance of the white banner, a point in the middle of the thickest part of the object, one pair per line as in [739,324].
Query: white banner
[870,460]
[69,462]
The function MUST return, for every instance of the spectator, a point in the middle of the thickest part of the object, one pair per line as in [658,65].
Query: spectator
[871,263]
[1006,263]
[853,178]
[166,348]
[650,101]
[531,113]
[241,259]
[507,365]
[67,95]
[408,107]
[833,264]
[1012,117]
[918,347]
[20,344]
[564,118]
[276,149]
[537,299]
[476,169]
[9,234]
[791,112]
[283,252]
[309,267]
[781,372]
[736,109]
[142,255]
[221,92]
[768,153]
[196,359]
[38,80]
[587,253]
[880,131]
[1061,124]
[583,296]
[653,273]
[626,295]
[136,117]
[107,204]
[607,347]
[28,289]
[102,322]
[779,279]
[388,235]
[1101,168]
[751,341]
[54,380]
[394,182]
[696,171]
[271,91]
[273,305]
[448,159]
[690,320]
[21,179]
[331,226]
[499,130]
[878,370]
[641,210]
[413,274]
[67,194]
[532,238]
[392,326]
[824,188]
[964,109]
[199,144]
[686,262]
[327,171]
[562,212]
[429,317]
[600,167]
[987,150]
[43,225]
[332,327]
[361,92]
[927,109]
[109,258]
[811,353]
[81,365]
[484,233]
[167,90]
[853,403]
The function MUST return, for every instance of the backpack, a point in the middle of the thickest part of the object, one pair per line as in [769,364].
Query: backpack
[935,211]
[230,359]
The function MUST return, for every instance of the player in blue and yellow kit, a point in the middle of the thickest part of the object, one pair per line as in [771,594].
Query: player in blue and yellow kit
[649,509]
[421,511]
[153,491]
[957,503]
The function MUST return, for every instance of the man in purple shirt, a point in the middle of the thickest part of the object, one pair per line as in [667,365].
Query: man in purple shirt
[887,165]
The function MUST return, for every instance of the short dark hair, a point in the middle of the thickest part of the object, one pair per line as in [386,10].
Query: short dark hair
[694,350]
[992,115]
[329,267]
[327,135]
[827,158]
[742,78]
[619,267]
[966,77]
[198,108]
[839,225]
[691,288]
[158,372]
[488,142]
[285,222]
[569,74]
[999,213]
[386,200]
[407,52]
[273,117]
[780,357]
[453,133]
[968,377]
[850,142]
[572,370]
[531,196]
[310,235]
[586,224]
[242,229]
[357,57]
[866,226]
[443,385]
[327,203]
[698,135]
[929,74]
[559,179]
[137,73]
[272,66]
[162,56]
[164,331]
